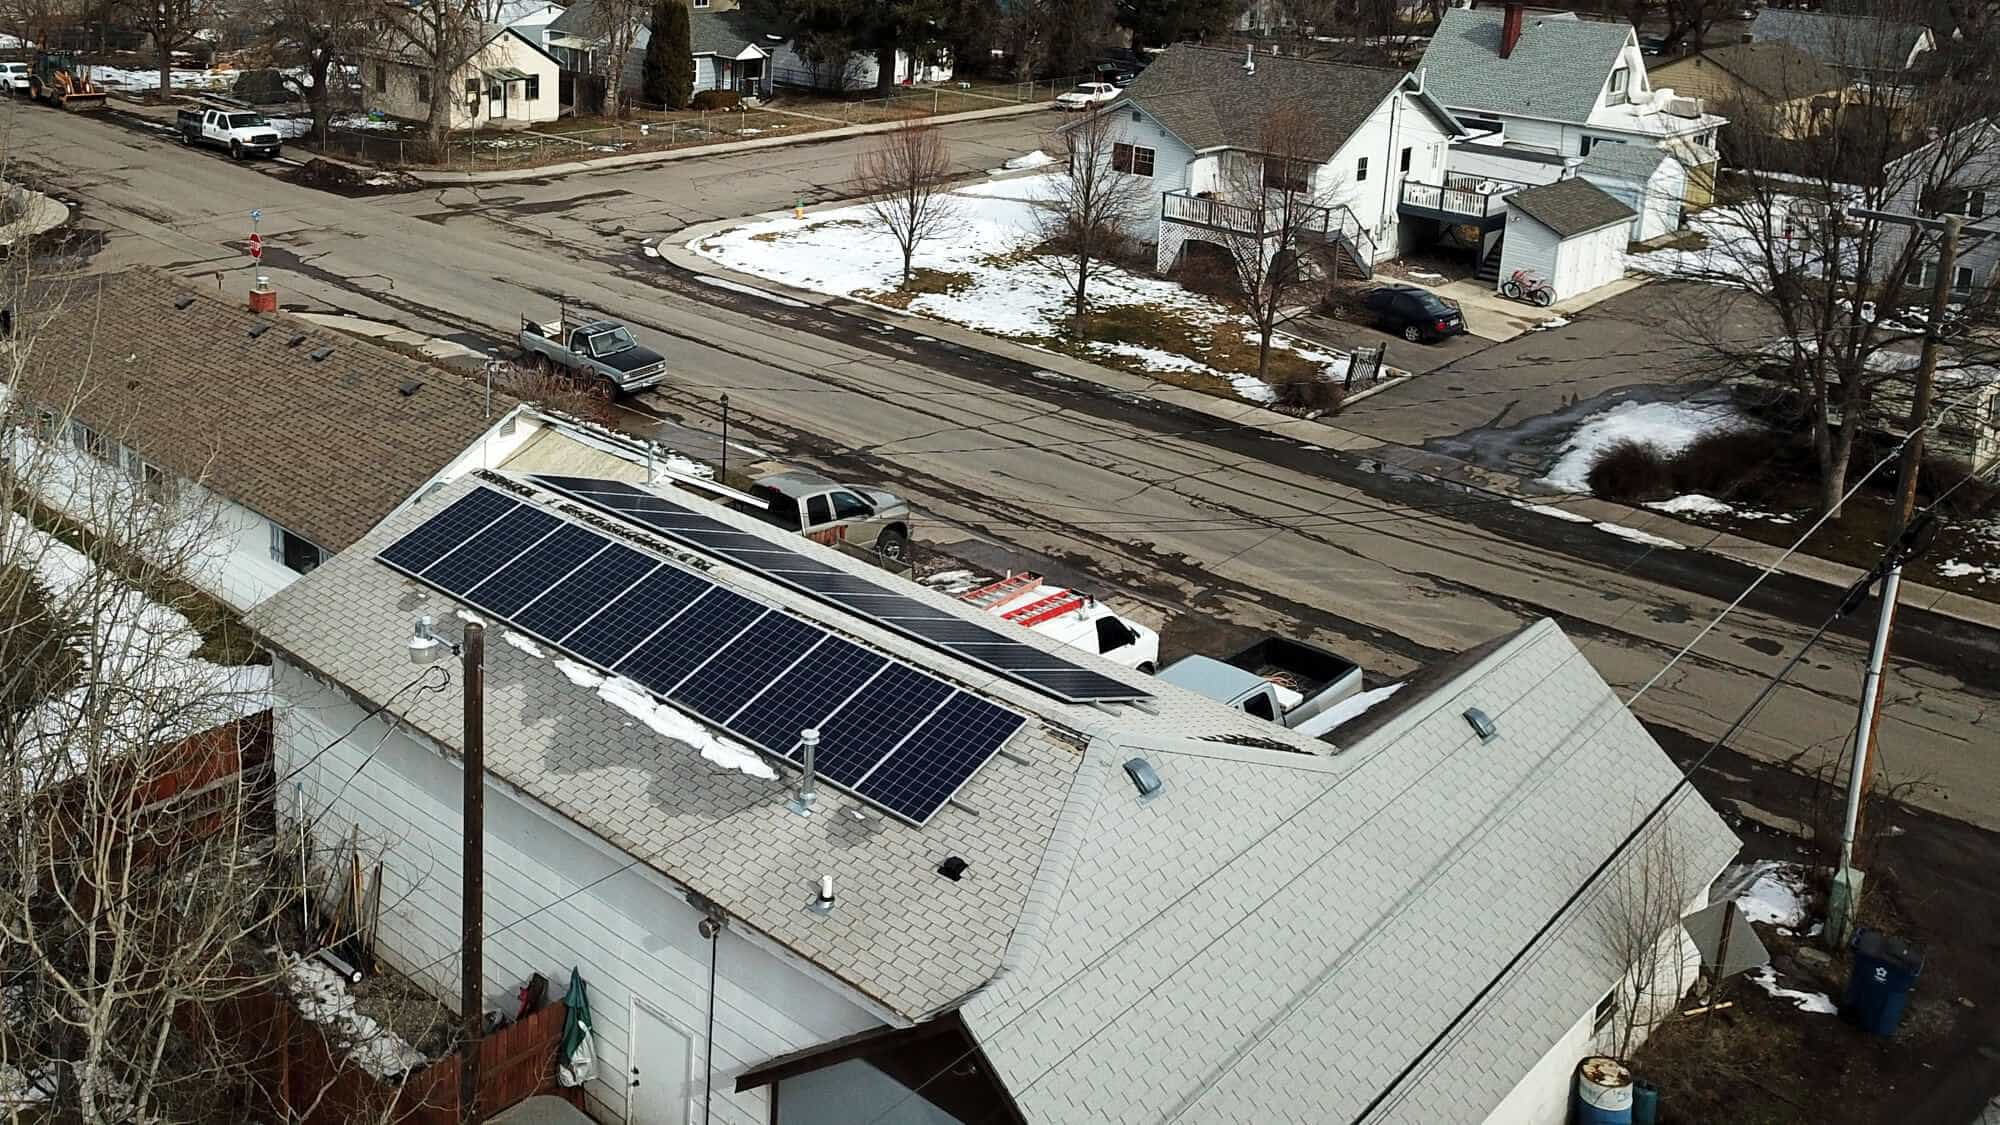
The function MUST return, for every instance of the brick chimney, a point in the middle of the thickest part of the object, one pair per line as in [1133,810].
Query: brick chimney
[1510,29]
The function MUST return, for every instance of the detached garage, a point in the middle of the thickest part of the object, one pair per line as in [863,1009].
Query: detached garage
[1645,178]
[1569,233]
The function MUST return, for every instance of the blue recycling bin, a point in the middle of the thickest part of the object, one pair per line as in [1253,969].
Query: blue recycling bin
[1885,969]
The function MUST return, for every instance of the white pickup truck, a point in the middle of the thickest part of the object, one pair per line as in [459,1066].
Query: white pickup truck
[242,132]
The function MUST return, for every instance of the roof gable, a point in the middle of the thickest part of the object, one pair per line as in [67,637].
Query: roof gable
[327,447]
[1273,938]
[1570,207]
[1557,70]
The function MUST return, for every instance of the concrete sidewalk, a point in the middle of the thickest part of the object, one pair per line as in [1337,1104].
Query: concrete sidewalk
[695,152]
[1322,434]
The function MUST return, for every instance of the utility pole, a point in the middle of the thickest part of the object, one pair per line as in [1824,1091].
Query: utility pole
[472,903]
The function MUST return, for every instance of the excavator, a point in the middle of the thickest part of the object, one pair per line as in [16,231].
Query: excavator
[57,80]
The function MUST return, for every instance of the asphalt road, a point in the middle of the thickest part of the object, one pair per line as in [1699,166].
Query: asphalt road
[1207,523]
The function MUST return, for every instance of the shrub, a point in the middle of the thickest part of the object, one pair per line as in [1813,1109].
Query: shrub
[1310,394]
[716,99]
[1719,463]
[559,391]
[1631,471]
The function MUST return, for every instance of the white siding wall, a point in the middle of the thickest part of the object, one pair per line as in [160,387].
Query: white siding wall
[704,72]
[1529,246]
[633,935]
[398,97]
[1173,162]
[1394,124]
[1588,260]
[1664,194]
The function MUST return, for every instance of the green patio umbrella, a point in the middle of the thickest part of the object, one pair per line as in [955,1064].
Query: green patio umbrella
[577,1061]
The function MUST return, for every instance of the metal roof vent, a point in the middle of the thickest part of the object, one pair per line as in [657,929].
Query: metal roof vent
[953,868]
[297,339]
[1144,778]
[1481,724]
[184,300]
[410,387]
[318,354]
[259,328]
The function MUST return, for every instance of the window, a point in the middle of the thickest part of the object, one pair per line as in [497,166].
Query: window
[424,88]
[1113,634]
[158,483]
[700,3]
[382,77]
[1287,175]
[135,465]
[818,512]
[1619,79]
[1136,159]
[1137,117]
[1607,1010]
[1975,204]
[88,440]
[1583,145]
[50,423]
[296,552]
[848,506]
[1259,706]
[1403,164]
[1360,169]
[1476,126]
[534,87]
[1962,280]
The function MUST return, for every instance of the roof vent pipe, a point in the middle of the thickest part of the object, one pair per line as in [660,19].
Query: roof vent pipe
[822,901]
[1510,29]
[802,804]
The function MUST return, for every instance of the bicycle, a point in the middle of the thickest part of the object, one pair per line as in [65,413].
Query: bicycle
[1524,286]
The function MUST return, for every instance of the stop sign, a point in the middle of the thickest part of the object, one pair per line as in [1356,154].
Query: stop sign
[257,246]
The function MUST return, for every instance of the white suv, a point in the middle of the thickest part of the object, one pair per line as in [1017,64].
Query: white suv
[1087,94]
[14,76]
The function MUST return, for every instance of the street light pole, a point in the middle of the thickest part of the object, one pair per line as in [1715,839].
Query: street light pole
[472,902]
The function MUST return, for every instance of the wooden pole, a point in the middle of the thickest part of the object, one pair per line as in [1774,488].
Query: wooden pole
[472,901]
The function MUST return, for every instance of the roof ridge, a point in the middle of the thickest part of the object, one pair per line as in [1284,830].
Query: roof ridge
[1232,52]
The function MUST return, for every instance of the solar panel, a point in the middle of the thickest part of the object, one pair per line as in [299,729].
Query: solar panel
[1041,670]
[940,757]
[757,673]
[466,517]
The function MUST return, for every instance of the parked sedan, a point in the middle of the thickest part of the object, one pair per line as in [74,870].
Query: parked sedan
[14,77]
[1417,315]
[1086,95]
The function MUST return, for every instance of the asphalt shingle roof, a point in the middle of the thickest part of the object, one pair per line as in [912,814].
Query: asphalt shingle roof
[1570,207]
[1775,69]
[1202,95]
[1275,938]
[1857,42]
[326,448]
[1557,70]
[1636,163]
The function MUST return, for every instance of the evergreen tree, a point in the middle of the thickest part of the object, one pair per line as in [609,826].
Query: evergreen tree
[668,78]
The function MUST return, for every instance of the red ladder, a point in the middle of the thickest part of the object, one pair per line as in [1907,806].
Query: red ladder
[1001,592]
[1044,609]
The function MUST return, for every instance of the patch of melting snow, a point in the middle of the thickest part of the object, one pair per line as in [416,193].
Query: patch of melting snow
[1634,535]
[578,674]
[1035,159]
[1818,1003]
[470,618]
[1692,504]
[1668,427]
[632,699]
[322,998]
[1347,710]
[1552,322]
[1551,511]
[1954,568]
[525,644]
[750,290]
[1772,896]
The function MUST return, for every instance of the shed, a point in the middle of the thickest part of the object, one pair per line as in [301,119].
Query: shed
[1648,180]
[1569,232]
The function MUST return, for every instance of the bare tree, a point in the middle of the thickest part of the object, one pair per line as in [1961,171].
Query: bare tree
[438,36]
[171,24]
[1286,229]
[320,37]
[907,176]
[1838,298]
[1085,218]
[615,24]
[1636,928]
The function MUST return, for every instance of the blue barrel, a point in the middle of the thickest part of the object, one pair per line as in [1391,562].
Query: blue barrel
[1645,1103]
[1878,985]
[1603,1092]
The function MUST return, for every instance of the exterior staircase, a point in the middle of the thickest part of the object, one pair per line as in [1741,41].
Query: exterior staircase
[1489,266]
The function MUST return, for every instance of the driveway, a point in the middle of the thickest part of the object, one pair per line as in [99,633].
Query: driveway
[1639,338]
[1417,358]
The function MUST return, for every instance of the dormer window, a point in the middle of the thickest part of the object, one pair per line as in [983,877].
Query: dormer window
[1620,79]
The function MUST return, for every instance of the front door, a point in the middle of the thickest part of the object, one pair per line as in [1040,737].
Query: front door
[657,1070]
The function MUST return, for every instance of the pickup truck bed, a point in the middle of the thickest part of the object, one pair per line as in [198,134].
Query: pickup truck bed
[1294,665]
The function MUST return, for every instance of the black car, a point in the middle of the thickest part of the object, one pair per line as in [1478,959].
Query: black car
[1414,314]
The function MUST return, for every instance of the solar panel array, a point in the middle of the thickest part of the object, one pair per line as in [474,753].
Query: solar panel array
[889,734]
[1045,672]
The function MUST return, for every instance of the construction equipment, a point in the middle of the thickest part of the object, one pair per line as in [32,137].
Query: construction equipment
[58,80]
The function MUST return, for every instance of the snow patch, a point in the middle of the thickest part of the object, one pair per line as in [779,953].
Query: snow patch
[1957,568]
[470,618]
[1353,707]
[750,290]
[1817,1003]
[1035,159]
[1551,511]
[1772,896]
[1552,322]
[1692,504]
[632,699]
[1633,534]
[322,998]
[578,674]
[1668,427]
[525,644]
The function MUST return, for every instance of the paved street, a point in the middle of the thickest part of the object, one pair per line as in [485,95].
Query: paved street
[1215,522]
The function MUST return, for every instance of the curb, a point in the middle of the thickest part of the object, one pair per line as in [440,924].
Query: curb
[673,248]
[695,152]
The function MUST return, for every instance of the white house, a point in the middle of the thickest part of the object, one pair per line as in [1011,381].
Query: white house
[531,18]
[1558,84]
[508,82]
[1568,233]
[1030,852]
[287,440]
[1191,125]
[1955,173]
[856,71]
[1647,179]
[731,51]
